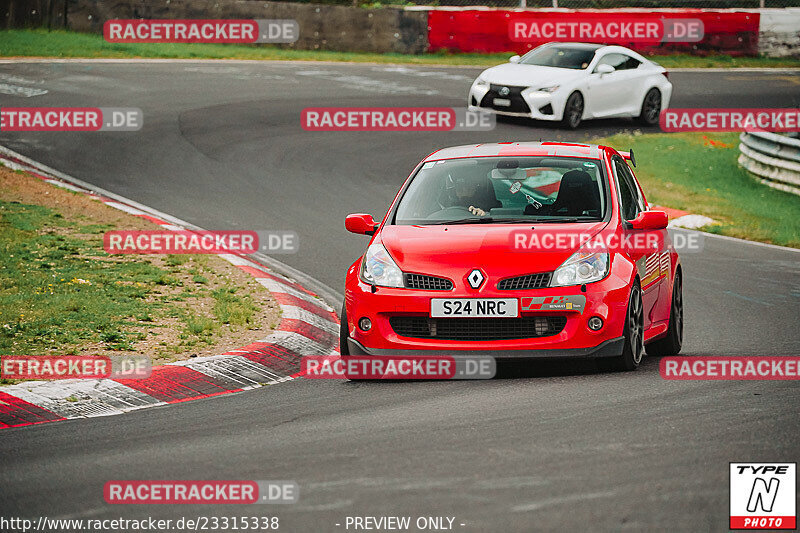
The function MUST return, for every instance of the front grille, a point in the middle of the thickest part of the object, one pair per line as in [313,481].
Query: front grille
[477,329]
[427,283]
[518,104]
[530,281]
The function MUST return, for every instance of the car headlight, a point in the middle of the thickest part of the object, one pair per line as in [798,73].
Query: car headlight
[378,268]
[580,268]
[480,82]
[550,89]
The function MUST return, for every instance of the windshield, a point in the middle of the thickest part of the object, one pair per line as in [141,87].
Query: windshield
[504,190]
[559,56]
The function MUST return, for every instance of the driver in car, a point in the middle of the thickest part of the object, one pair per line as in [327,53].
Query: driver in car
[475,192]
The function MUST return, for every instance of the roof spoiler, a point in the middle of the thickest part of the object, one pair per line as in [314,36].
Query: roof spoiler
[628,156]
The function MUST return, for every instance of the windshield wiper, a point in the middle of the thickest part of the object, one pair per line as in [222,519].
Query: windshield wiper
[471,220]
[493,220]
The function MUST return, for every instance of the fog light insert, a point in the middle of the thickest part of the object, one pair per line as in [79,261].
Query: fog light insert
[364,323]
[541,326]
[595,323]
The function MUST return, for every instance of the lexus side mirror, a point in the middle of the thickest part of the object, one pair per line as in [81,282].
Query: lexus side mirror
[651,220]
[361,223]
[514,59]
[604,69]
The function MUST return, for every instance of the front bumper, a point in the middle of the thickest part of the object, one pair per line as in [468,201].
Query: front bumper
[527,103]
[608,348]
[607,299]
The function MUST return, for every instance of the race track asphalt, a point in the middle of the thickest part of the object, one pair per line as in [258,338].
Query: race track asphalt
[556,447]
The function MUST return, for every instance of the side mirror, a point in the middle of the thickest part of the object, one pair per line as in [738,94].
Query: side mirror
[604,69]
[514,59]
[361,223]
[651,220]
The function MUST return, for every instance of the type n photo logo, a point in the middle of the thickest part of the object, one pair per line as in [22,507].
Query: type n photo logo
[763,495]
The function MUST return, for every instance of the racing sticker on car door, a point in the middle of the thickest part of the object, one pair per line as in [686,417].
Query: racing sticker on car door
[553,303]
[656,267]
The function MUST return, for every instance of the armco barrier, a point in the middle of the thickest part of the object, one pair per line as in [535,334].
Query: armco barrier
[773,159]
[484,30]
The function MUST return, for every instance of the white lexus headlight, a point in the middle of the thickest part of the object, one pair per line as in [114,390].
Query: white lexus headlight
[550,89]
[580,268]
[378,268]
[481,82]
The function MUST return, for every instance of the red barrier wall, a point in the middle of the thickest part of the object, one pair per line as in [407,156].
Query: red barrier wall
[487,30]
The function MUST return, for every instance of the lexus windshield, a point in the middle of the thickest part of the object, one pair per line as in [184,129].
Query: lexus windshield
[572,57]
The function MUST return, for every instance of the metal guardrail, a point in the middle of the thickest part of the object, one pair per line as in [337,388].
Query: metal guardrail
[773,159]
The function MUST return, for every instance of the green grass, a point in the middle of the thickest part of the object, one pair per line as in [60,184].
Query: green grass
[231,308]
[60,292]
[698,173]
[41,43]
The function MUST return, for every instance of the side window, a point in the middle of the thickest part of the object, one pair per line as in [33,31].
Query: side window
[619,61]
[615,60]
[632,63]
[630,200]
[637,193]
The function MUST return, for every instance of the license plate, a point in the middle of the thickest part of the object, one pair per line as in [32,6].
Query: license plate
[505,102]
[474,308]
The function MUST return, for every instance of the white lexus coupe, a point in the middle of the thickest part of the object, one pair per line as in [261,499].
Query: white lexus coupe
[572,82]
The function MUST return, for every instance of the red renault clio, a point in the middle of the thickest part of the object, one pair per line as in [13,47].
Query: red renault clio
[516,250]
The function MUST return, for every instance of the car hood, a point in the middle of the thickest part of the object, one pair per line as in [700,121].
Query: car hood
[530,75]
[452,251]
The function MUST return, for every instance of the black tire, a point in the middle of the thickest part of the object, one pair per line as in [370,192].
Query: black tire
[344,349]
[633,349]
[573,111]
[672,343]
[651,108]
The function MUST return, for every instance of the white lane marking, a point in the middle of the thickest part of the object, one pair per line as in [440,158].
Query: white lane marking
[298,313]
[16,90]
[233,72]
[535,506]
[126,208]
[82,398]
[423,73]
[296,343]
[367,84]
[13,78]
[234,369]
[276,286]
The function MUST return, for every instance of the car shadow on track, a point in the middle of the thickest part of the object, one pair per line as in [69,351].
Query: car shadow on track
[545,368]
[511,369]
[602,126]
